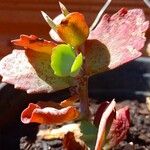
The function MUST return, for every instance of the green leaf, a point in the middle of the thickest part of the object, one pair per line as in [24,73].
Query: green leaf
[89,132]
[62,59]
[77,65]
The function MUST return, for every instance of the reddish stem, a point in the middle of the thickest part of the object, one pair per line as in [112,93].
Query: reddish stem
[83,88]
[84,99]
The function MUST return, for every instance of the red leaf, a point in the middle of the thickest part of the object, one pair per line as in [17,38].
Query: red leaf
[31,71]
[35,43]
[122,35]
[102,130]
[98,115]
[48,115]
[119,127]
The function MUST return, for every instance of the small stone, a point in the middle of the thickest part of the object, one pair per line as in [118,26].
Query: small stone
[148,103]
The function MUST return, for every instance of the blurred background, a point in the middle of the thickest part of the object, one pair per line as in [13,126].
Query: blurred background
[24,17]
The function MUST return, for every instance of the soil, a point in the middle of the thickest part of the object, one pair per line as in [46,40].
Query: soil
[16,135]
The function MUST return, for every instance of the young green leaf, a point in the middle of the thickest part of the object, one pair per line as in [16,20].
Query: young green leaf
[62,59]
[64,62]
[77,65]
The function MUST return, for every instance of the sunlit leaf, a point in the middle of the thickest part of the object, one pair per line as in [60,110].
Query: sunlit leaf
[63,9]
[77,65]
[89,133]
[59,132]
[116,40]
[31,71]
[34,43]
[62,59]
[48,20]
[73,29]
[119,128]
[48,115]
[64,62]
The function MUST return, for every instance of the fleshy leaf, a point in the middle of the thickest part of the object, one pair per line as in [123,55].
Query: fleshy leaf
[48,115]
[102,130]
[119,128]
[35,43]
[62,59]
[31,71]
[98,115]
[64,62]
[89,133]
[77,65]
[116,40]
[73,29]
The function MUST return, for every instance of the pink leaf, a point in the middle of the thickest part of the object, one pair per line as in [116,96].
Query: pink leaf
[103,125]
[116,40]
[98,115]
[119,127]
[48,115]
[31,71]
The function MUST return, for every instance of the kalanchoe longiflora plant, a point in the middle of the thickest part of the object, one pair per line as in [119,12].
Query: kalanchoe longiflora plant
[77,53]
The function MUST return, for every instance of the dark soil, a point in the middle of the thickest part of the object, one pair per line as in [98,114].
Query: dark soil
[16,136]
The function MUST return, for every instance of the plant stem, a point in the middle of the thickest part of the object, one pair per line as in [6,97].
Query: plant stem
[83,89]
[84,99]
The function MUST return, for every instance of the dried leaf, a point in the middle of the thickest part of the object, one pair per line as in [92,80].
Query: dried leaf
[70,143]
[119,128]
[116,40]
[70,101]
[48,115]
[31,71]
[35,43]
[73,29]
